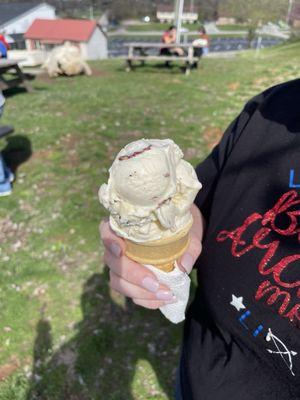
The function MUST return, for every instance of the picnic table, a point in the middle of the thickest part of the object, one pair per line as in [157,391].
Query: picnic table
[139,51]
[11,75]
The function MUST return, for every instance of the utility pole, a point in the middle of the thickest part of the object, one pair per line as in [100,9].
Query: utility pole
[288,16]
[91,12]
[178,18]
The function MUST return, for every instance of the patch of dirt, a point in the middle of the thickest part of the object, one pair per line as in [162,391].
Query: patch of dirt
[98,72]
[233,86]
[212,136]
[45,78]
[7,369]
[42,155]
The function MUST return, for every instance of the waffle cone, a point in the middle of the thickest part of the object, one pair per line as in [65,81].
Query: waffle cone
[162,253]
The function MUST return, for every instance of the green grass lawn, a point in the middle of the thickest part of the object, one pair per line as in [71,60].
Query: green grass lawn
[157,26]
[64,335]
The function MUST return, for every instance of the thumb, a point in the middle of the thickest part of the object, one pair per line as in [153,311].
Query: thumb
[111,241]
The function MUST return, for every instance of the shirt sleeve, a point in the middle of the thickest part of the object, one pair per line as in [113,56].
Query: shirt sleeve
[209,170]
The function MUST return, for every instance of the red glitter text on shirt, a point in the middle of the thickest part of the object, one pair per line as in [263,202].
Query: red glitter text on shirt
[280,289]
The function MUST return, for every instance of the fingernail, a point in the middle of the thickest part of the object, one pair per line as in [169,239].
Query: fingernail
[164,295]
[174,300]
[115,249]
[150,284]
[187,262]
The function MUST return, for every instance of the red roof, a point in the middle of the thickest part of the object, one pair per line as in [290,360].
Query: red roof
[60,30]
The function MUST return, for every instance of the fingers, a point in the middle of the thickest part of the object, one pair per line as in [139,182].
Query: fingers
[122,266]
[111,241]
[132,279]
[195,247]
[151,304]
[129,290]
[133,272]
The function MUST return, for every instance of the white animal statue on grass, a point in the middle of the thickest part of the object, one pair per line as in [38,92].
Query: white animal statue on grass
[66,60]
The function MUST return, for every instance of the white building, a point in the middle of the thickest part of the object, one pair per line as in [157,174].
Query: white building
[86,34]
[223,20]
[16,18]
[166,13]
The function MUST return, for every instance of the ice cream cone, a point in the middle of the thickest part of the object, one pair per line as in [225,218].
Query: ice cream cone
[162,253]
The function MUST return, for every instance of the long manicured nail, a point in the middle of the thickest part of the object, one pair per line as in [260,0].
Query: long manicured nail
[150,284]
[164,295]
[115,249]
[187,262]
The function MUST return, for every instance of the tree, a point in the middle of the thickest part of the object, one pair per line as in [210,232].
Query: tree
[208,9]
[254,12]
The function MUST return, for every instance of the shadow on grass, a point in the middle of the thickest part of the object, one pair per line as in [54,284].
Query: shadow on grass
[17,151]
[15,91]
[101,360]
[172,68]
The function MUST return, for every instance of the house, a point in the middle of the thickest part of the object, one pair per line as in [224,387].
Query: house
[166,13]
[46,34]
[226,20]
[15,19]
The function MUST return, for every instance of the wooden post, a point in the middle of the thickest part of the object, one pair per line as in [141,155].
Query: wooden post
[129,59]
[190,53]
[288,16]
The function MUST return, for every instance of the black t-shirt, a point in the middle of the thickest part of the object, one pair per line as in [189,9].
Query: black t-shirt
[241,336]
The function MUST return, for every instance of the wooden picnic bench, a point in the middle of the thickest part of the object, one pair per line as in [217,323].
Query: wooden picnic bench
[139,51]
[11,75]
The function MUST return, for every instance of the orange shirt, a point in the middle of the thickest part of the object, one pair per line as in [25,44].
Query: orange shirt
[168,37]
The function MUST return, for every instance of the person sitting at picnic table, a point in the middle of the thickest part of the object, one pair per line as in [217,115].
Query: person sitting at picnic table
[3,50]
[203,36]
[4,46]
[201,45]
[169,37]
[6,175]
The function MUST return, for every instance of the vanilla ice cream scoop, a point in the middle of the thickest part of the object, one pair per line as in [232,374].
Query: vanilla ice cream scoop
[150,190]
